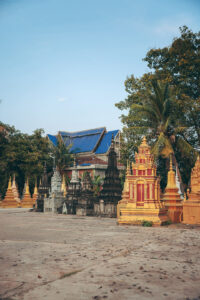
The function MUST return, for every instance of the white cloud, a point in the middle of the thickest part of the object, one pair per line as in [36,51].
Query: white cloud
[61,99]
[171,25]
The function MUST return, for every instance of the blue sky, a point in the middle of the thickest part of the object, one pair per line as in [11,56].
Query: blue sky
[63,63]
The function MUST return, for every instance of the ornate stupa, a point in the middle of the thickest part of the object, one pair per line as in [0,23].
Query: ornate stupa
[15,190]
[191,206]
[73,192]
[54,202]
[112,189]
[35,193]
[10,200]
[141,195]
[171,197]
[27,201]
[85,205]
[43,190]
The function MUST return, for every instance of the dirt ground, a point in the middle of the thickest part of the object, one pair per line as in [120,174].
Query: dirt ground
[44,256]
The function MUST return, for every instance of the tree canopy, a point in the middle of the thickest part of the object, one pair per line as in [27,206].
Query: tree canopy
[164,104]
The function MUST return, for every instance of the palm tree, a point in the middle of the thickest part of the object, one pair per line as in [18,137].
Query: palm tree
[159,116]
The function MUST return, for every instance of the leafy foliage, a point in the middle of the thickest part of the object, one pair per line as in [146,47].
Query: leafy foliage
[165,105]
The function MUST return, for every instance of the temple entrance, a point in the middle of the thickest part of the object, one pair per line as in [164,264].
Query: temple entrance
[140,194]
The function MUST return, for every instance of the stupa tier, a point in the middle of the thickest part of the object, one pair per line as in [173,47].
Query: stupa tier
[11,199]
[27,201]
[171,198]
[191,207]
[141,195]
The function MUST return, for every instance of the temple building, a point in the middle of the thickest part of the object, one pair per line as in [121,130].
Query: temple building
[141,195]
[111,189]
[172,198]
[10,200]
[191,206]
[91,148]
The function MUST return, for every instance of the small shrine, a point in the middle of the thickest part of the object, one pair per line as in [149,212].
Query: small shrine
[15,190]
[35,194]
[27,201]
[85,206]
[43,191]
[11,199]
[141,194]
[191,206]
[171,197]
[112,189]
[54,202]
[73,192]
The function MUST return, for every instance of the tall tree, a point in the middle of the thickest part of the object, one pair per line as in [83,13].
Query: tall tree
[179,64]
[154,111]
[62,154]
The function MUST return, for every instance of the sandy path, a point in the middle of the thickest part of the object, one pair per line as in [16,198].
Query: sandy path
[68,257]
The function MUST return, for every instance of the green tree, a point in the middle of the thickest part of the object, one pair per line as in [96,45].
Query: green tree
[179,64]
[154,110]
[62,154]
[97,183]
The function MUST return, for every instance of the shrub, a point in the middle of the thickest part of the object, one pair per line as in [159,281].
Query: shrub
[147,223]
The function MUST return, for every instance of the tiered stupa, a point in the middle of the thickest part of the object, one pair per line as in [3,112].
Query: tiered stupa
[43,191]
[27,201]
[85,206]
[15,190]
[141,195]
[10,200]
[35,194]
[112,189]
[171,197]
[73,192]
[56,199]
[191,207]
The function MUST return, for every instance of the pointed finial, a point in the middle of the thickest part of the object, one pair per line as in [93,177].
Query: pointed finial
[27,186]
[74,162]
[170,166]
[9,183]
[144,141]
[112,141]
[128,168]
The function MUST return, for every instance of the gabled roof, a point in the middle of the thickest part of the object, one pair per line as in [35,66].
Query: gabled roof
[53,139]
[93,140]
[106,142]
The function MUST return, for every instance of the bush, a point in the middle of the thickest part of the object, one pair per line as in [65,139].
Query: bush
[166,223]
[147,223]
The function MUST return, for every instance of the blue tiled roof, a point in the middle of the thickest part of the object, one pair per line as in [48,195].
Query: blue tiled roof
[82,143]
[85,165]
[87,140]
[82,133]
[53,139]
[106,142]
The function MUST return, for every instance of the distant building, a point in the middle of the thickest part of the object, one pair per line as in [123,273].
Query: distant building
[91,149]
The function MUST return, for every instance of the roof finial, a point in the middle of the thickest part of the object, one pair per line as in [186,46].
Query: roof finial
[144,141]
[112,142]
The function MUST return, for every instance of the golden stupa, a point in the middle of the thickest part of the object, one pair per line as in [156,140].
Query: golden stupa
[141,195]
[27,201]
[171,197]
[10,200]
[191,207]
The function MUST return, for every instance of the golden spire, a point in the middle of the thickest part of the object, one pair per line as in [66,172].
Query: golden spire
[144,141]
[128,172]
[9,183]
[63,186]
[35,188]
[171,178]
[27,187]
